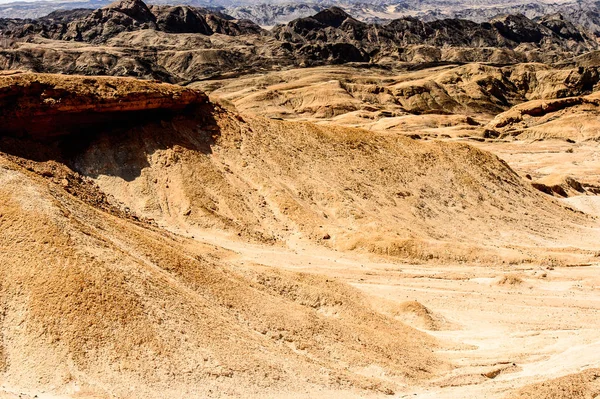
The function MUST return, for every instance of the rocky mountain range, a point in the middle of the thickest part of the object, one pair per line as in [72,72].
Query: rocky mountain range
[96,26]
[551,33]
[184,43]
[581,13]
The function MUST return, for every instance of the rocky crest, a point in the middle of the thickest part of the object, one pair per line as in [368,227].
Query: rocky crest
[59,104]
[511,31]
[183,43]
[98,26]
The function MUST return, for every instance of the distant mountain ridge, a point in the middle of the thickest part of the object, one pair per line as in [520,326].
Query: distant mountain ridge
[178,43]
[334,25]
[97,26]
[267,13]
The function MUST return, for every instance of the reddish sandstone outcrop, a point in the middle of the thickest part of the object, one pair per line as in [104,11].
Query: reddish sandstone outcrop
[48,105]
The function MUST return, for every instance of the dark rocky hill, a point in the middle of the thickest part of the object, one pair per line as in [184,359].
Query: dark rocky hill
[97,26]
[183,43]
[509,31]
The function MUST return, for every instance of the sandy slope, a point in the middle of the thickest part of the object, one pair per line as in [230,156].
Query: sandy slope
[484,326]
[202,253]
[580,385]
[98,303]
[272,180]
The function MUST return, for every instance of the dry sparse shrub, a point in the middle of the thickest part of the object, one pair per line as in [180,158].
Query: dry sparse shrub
[510,279]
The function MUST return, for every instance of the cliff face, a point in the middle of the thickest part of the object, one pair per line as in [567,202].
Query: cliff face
[59,104]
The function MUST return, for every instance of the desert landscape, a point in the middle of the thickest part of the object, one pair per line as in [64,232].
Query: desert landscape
[196,205]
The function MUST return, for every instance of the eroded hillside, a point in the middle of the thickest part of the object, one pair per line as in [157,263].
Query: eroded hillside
[453,100]
[173,246]
[271,180]
[96,302]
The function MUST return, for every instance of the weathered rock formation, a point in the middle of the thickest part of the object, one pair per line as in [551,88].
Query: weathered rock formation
[571,118]
[97,26]
[516,33]
[43,105]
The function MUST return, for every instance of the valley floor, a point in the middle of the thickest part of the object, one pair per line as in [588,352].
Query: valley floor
[503,327]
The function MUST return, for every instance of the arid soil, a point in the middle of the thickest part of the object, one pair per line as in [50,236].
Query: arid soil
[204,250]
[456,100]
[555,148]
